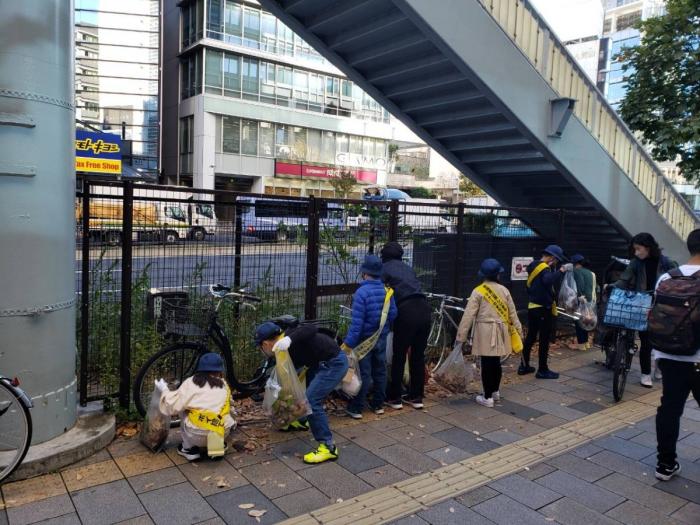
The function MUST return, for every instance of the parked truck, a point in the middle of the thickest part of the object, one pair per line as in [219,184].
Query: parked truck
[153,220]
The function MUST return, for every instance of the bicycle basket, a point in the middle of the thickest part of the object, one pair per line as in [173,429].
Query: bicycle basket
[182,318]
[628,309]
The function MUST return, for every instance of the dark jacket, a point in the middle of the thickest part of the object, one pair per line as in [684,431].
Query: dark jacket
[635,276]
[367,305]
[398,274]
[543,289]
[584,283]
[309,347]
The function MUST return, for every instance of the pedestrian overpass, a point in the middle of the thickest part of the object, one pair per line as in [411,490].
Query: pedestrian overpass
[488,85]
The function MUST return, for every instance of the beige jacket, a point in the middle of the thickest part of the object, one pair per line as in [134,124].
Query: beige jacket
[191,397]
[490,334]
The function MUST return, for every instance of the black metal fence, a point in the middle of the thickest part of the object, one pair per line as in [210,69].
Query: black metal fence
[300,255]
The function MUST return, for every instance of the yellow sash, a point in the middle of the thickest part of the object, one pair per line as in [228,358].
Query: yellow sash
[365,346]
[208,420]
[531,278]
[501,308]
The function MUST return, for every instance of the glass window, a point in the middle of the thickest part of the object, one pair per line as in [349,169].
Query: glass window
[332,86]
[232,75]
[283,90]
[316,92]
[284,75]
[269,32]
[191,71]
[267,139]
[231,134]
[249,137]
[282,149]
[267,82]
[343,142]
[313,145]
[250,78]
[380,149]
[627,21]
[355,145]
[367,147]
[232,22]
[215,26]
[347,89]
[217,143]
[251,27]
[328,148]
[297,140]
[301,89]
[213,72]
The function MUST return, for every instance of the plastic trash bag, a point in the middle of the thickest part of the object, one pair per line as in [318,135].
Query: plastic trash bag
[351,383]
[285,397]
[587,315]
[156,426]
[454,374]
[568,295]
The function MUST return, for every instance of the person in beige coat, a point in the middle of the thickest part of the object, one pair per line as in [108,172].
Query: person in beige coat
[489,314]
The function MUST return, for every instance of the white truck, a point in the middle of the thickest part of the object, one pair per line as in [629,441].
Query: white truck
[153,220]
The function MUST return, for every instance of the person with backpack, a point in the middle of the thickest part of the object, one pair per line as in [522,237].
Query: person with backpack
[674,333]
[373,312]
[493,320]
[411,328]
[585,284]
[543,279]
[641,275]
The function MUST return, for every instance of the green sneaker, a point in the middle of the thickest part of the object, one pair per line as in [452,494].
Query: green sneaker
[321,454]
[296,426]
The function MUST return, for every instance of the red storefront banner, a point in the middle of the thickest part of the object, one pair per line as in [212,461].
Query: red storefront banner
[288,169]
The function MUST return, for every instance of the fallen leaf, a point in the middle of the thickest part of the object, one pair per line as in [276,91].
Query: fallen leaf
[421,426]
[78,477]
[222,483]
[206,478]
[476,433]
[526,468]
[479,439]
[339,500]
[447,450]
[281,485]
[255,513]
[246,506]
[549,519]
[452,510]
[148,485]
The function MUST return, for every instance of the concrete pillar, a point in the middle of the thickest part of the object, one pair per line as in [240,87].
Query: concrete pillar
[37,196]
[204,148]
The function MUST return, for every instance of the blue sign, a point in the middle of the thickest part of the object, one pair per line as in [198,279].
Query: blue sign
[98,152]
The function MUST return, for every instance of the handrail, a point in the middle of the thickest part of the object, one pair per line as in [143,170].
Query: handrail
[535,39]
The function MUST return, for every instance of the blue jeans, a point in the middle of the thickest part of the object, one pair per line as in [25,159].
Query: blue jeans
[321,381]
[372,371]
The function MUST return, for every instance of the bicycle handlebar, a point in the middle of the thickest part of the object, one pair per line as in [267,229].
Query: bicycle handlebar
[445,297]
[221,291]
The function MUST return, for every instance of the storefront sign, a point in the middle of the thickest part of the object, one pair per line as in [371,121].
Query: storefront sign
[518,269]
[288,169]
[98,152]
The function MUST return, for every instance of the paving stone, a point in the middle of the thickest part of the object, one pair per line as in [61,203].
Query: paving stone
[207,476]
[632,513]
[357,459]
[141,520]
[40,510]
[622,465]
[450,512]
[518,410]
[274,479]
[628,432]
[108,503]
[383,476]
[156,480]
[142,463]
[291,453]
[3,515]
[689,470]
[586,470]
[226,505]
[689,514]
[558,410]
[438,410]
[552,397]
[478,495]
[586,451]
[416,439]
[465,421]
[569,512]
[681,487]
[525,491]
[467,441]
[335,482]
[639,492]
[91,475]
[102,455]
[624,447]
[177,504]
[302,502]
[524,387]
[176,458]
[506,511]
[599,395]
[423,421]
[366,437]
[246,459]
[503,437]
[549,421]
[448,455]
[590,495]
[409,520]
[587,407]
[386,424]
[539,470]
[125,447]
[407,459]
[556,386]
[30,490]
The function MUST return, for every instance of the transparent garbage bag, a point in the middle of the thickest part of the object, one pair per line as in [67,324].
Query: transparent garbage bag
[454,374]
[352,383]
[285,397]
[156,426]
[587,315]
[568,295]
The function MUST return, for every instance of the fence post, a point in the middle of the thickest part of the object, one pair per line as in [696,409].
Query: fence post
[85,294]
[125,343]
[393,220]
[459,248]
[237,250]
[311,292]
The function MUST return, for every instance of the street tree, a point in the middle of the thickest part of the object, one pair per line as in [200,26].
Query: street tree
[468,189]
[344,183]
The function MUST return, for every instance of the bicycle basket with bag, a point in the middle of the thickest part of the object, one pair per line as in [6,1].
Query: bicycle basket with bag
[628,309]
[189,319]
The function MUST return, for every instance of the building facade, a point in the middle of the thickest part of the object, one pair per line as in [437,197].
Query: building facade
[249,106]
[117,66]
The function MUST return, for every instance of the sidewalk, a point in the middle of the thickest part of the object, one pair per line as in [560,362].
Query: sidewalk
[606,480]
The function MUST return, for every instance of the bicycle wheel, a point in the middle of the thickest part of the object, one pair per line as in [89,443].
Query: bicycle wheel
[442,346]
[250,370]
[620,368]
[15,431]
[174,364]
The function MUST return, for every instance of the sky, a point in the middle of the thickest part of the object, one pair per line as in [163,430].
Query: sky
[572,19]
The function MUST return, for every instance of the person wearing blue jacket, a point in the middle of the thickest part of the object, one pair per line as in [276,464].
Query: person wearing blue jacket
[367,305]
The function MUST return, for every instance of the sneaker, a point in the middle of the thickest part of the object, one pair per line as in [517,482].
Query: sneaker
[546,374]
[416,402]
[379,411]
[484,401]
[321,454]
[658,376]
[296,426]
[665,473]
[646,381]
[394,403]
[524,370]
[352,414]
[496,396]
[190,454]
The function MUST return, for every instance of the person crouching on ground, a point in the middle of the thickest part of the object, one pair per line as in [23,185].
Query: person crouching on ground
[366,327]
[490,314]
[327,365]
[203,402]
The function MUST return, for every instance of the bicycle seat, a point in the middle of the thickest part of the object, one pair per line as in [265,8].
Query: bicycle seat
[285,322]
[220,288]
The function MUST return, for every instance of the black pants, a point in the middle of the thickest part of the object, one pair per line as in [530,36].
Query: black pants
[581,335]
[539,321]
[411,330]
[645,353]
[491,373]
[679,380]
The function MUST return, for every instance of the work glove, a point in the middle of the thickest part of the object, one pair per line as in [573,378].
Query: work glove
[345,348]
[568,267]
[161,385]
[282,344]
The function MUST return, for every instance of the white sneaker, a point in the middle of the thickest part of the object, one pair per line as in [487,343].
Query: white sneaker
[496,396]
[484,402]
[646,380]
[354,415]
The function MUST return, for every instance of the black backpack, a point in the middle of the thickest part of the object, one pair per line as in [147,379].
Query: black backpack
[674,320]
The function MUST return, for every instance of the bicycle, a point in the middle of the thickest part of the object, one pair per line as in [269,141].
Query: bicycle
[443,326]
[15,425]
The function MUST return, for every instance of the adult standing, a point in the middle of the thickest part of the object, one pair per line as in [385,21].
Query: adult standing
[585,284]
[411,327]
